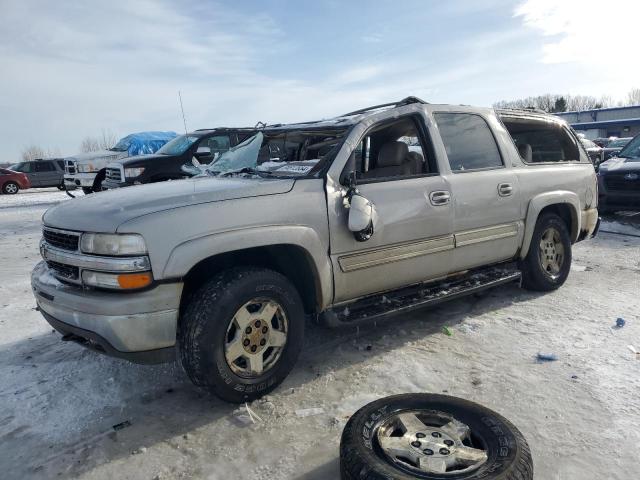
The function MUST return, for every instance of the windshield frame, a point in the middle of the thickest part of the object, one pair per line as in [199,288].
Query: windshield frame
[252,167]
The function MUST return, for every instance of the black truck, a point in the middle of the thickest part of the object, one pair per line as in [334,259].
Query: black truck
[204,145]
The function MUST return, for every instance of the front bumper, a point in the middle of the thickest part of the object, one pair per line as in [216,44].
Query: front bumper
[80,179]
[140,326]
[110,184]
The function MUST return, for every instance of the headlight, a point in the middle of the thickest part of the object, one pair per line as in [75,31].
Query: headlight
[86,168]
[118,281]
[133,172]
[113,244]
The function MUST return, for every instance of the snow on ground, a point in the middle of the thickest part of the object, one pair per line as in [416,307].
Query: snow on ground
[42,197]
[580,414]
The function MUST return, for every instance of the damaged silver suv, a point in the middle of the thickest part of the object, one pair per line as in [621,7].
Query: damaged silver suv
[375,212]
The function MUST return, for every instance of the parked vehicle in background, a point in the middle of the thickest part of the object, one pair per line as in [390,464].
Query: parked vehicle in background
[87,170]
[339,220]
[603,141]
[11,181]
[168,163]
[593,150]
[614,147]
[619,179]
[48,172]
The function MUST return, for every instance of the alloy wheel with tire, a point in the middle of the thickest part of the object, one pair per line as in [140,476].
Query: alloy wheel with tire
[548,261]
[10,188]
[432,436]
[241,333]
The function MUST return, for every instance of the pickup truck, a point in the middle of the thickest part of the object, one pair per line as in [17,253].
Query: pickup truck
[88,170]
[338,220]
[169,162]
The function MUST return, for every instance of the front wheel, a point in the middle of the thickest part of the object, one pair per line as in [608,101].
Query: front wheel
[60,187]
[87,190]
[548,261]
[10,188]
[241,333]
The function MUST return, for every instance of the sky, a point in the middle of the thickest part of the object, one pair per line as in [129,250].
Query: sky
[72,69]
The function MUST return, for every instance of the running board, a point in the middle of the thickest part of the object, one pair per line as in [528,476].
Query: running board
[421,295]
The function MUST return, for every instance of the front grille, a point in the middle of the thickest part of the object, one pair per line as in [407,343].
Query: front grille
[618,183]
[64,272]
[65,241]
[71,167]
[114,174]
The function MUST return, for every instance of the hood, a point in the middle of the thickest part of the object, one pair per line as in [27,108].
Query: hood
[133,161]
[105,211]
[98,154]
[620,165]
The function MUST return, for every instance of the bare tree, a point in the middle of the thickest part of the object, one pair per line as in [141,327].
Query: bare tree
[31,152]
[633,97]
[89,144]
[108,139]
[556,103]
[105,141]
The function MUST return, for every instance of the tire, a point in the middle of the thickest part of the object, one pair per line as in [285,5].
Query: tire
[10,188]
[217,313]
[87,190]
[535,275]
[500,452]
[60,187]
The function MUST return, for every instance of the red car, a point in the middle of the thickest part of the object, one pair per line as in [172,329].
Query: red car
[11,182]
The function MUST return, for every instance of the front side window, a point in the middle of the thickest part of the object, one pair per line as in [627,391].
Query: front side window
[632,150]
[469,143]
[392,150]
[24,167]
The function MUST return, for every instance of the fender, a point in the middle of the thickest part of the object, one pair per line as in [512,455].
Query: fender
[539,202]
[189,253]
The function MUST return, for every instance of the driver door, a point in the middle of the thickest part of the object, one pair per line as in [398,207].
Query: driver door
[413,239]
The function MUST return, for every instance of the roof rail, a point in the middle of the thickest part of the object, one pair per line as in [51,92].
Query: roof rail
[523,109]
[404,101]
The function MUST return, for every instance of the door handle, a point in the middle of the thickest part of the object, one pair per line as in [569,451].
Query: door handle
[439,197]
[505,189]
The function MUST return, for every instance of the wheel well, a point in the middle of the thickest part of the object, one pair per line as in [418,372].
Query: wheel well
[290,260]
[566,213]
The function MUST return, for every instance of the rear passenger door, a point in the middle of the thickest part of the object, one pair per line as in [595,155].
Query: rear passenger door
[485,194]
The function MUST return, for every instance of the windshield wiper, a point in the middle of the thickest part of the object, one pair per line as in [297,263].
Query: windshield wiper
[250,170]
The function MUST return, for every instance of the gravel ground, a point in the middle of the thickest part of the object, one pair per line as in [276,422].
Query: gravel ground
[70,413]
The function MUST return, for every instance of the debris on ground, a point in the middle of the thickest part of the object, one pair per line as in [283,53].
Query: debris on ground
[139,451]
[547,357]
[447,331]
[121,425]
[308,412]
[633,350]
[620,322]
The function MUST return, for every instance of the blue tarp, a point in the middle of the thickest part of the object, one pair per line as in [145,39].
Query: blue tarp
[143,143]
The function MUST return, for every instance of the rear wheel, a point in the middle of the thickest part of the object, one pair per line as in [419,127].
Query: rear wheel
[241,333]
[547,264]
[10,188]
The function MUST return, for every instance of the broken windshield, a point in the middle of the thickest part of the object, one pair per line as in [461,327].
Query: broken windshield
[280,153]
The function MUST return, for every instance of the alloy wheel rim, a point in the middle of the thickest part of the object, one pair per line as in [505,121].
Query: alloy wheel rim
[256,337]
[426,441]
[551,252]
[11,188]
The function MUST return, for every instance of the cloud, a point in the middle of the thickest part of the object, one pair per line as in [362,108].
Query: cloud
[584,31]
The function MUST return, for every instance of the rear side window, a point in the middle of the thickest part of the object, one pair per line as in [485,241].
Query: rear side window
[540,141]
[469,143]
[44,167]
